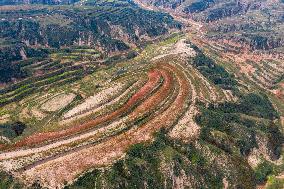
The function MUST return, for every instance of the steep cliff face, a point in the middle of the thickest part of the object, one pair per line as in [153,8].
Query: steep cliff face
[209,9]
[219,8]
[256,23]
[226,10]
[106,27]
[92,27]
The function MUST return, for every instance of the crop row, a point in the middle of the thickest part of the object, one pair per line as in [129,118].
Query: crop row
[266,74]
[151,107]
[166,97]
[17,91]
[35,79]
[109,150]
[97,102]
[154,77]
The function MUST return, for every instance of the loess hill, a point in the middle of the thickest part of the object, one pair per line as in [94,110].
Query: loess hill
[141,94]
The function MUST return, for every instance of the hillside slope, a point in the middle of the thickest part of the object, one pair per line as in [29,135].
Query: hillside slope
[35,31]
[106,94]
[255,23]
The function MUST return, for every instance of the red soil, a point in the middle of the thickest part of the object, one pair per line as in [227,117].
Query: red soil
[154,77]
[153,101]
[66,167]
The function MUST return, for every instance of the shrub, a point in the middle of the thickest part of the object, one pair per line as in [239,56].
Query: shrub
[215,73]
[275,183]
[262,171]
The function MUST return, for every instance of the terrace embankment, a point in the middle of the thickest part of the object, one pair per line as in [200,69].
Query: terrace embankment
[172,102]
[163,96]
[144,91]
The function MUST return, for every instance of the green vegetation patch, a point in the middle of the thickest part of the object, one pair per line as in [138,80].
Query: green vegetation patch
[158,164]
[241,131]
[7,181]
[12,130]
[266,171]
[213,72]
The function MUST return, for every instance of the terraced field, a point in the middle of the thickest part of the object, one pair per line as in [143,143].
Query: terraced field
[267,73]
[99,127]
[256,70]
[263,70]
[106,94]
[45,74]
